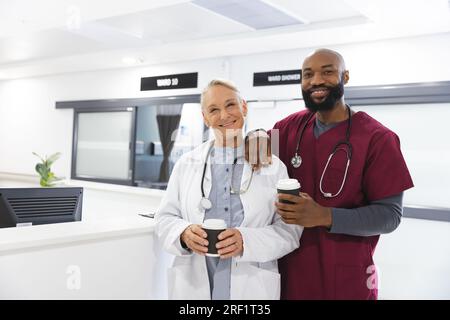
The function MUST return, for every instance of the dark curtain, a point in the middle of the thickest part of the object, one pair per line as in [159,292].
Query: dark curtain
[167,124]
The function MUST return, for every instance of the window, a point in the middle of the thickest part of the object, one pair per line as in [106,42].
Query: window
[182,128]
[133,141]
[103,141]
[423,133]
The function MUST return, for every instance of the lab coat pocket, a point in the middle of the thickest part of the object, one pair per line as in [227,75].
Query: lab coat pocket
[185,285]
[259,284]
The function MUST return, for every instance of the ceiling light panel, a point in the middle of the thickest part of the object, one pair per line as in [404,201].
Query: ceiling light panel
[180,22]
[317,10]
[253,13]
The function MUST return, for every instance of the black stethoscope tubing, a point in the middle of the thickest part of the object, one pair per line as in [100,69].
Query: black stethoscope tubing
[205,203]
[297,160]
[347,134]
[204,171]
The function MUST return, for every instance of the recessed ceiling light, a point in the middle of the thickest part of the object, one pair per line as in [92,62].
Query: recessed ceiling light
[253,13]
[132,61]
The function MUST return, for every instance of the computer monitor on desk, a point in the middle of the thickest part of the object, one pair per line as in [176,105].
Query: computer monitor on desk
[32,206]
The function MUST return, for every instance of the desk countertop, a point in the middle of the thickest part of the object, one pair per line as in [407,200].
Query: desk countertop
[13,180]
[63,233]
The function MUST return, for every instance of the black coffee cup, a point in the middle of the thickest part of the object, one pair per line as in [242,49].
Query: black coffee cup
[213,228]
[288,186]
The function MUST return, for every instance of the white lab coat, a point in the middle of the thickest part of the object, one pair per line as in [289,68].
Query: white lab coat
[254,275]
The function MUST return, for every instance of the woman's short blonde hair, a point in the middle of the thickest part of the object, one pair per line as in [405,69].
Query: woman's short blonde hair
[219,82]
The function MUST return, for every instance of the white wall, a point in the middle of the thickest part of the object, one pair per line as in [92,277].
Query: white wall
[29,121]
[420,59]
[413,262]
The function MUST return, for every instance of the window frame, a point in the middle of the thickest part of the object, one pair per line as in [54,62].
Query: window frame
[132,146]
[111,105]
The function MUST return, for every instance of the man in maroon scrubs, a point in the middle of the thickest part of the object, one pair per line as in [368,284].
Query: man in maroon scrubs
[347,200]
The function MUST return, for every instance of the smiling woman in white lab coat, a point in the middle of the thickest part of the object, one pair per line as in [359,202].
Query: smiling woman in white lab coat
[216,180]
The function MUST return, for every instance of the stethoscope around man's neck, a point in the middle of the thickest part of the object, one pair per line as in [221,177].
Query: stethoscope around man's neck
[296,160]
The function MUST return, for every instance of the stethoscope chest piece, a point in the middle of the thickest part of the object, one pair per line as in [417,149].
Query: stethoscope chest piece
[205,204]
[296,161]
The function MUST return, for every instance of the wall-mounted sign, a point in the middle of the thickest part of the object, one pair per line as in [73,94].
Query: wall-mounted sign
[276,78]
[171,81]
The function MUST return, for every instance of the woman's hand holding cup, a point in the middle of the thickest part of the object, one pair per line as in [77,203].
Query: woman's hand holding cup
[195,239]
[230,244]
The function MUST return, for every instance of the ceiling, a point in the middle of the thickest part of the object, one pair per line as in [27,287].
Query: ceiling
[57,36]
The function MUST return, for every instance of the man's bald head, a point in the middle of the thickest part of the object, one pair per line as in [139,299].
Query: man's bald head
[339,60]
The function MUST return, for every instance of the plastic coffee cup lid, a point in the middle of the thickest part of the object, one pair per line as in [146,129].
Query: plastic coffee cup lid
[214,224]
[288,184]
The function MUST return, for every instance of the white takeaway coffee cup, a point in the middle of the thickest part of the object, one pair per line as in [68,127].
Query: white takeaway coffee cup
[289,186]
[213,228]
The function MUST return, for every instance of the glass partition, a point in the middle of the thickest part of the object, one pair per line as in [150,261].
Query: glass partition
[186,132]
[103,145]
[423,132]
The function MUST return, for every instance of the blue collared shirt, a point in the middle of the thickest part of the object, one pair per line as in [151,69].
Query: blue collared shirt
[225,206]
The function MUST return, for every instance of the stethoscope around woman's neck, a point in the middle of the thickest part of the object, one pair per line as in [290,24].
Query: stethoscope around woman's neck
[205,203]
[296,160]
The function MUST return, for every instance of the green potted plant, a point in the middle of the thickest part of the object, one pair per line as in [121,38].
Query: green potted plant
[44,169]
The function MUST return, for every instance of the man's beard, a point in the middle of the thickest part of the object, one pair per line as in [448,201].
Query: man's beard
[335,94]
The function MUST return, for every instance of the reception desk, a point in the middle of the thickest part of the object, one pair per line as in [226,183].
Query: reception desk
[110,259]
[112,253]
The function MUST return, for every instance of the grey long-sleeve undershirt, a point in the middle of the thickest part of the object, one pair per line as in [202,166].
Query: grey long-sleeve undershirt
[381,216]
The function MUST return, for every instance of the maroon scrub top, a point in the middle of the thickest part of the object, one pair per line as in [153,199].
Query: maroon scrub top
[338,266]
